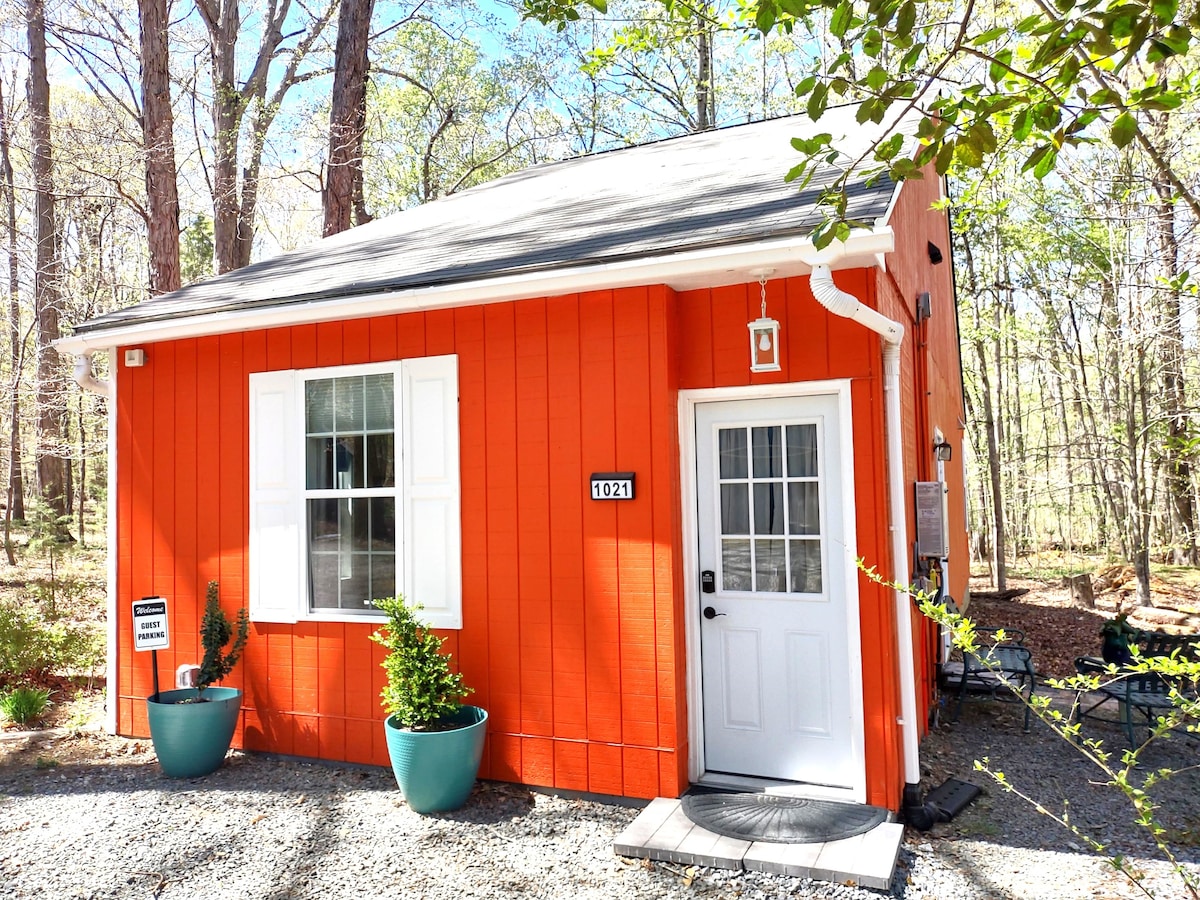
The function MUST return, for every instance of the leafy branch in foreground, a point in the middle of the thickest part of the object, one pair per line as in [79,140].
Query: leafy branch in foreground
[1118,771]
[977,77]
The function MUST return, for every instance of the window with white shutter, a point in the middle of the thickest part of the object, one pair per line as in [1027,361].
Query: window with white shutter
[355,491]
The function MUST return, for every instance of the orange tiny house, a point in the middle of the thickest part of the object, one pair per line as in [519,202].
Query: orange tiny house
[423,405]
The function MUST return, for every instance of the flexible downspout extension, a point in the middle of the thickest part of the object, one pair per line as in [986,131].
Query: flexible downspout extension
[918,814]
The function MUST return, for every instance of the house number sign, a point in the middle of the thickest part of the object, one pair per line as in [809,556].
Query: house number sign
[150,631]
[612,485]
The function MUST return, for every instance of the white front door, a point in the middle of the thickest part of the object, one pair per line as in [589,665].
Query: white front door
[780,698]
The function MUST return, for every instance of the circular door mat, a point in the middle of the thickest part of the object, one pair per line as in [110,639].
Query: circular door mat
[780,820]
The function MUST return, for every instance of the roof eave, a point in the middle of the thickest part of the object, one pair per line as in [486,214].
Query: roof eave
[708,267]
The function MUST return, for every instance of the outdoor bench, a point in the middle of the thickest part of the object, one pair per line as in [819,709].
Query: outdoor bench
[993,671]
[1141,697]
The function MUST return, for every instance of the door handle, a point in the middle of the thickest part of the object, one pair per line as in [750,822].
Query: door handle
[710,613]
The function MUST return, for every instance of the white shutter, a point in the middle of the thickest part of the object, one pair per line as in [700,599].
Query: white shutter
[431,571]
[276,512]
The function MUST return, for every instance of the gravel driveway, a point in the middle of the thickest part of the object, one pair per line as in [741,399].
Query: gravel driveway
[91,817]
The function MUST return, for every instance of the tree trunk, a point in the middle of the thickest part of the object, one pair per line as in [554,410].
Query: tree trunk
[158,136]
[16,344]
[347,116]
[51,464]
[705,96]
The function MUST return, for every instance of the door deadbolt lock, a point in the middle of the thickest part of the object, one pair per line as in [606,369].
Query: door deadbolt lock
[708,581]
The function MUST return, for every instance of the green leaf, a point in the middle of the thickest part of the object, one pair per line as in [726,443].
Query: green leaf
[876,78]
[906,19]
[872,43]
[889,148]
[1165,9]
[764,18]
[1029,23]
[1123,130]
[817,102]
[989,36]
[839,23]
[806,85]
[945,157]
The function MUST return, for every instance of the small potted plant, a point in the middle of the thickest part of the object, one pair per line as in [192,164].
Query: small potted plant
[1116,633]
[192,728]
[434,740]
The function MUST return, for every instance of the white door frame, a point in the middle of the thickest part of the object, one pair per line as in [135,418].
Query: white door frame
[691,578]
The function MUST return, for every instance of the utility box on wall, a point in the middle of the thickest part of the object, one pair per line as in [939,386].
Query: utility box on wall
[932,539]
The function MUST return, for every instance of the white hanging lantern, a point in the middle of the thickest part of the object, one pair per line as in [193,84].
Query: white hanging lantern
[764,333]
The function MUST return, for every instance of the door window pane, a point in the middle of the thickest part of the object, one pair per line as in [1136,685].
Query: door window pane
[735,566]
[318,406]
[768,451]
[770,566]
[804,513]
[768,508]
[802,451]
[735,509]
[731,444]
[806,566]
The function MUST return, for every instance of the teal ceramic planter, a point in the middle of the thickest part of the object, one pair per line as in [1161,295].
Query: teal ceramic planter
[191,739]
[436,769]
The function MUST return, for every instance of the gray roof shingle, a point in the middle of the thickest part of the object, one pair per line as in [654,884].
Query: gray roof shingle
[717,188]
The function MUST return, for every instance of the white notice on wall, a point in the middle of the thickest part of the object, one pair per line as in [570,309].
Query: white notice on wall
[150,631]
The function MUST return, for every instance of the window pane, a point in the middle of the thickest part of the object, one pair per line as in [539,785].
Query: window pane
[323,580]
[348,403]
[349,461]
[806,566]
[803,509]
[380,404]
[732,445]
[383,525]
[381,460]
[318,406]
[735,565]
[802,451]
[355,581]
[735,509]
[318,455]
[768,454]
[768,508]
[770,566]
[352,559]
[383,575]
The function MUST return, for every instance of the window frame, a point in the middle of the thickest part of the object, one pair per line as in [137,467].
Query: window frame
[427,483]
[394,368]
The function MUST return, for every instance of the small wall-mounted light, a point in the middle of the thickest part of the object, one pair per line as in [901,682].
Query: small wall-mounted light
[943,452]
[764,332]
[135,358]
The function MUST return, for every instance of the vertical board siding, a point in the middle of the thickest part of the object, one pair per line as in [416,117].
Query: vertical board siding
[571,636]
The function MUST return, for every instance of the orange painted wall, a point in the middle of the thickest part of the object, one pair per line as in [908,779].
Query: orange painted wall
[571,632]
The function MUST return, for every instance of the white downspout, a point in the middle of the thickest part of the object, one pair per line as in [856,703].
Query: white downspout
[840,303]
[107,389]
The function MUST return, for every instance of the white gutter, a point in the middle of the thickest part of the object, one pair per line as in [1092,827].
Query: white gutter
[709,267]
[840,303]
[107,389]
